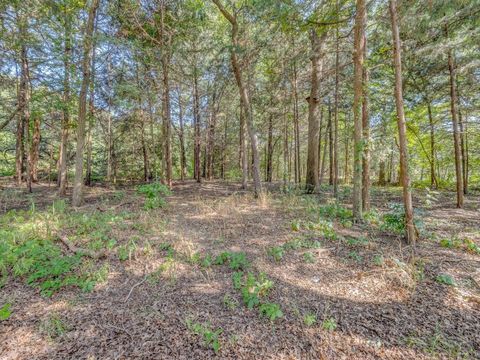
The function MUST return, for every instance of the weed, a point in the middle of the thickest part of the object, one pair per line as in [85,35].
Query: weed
[309,257]
[276,253]
[329,324]
[445,279]
[357,241]
[153,194]
[53,327]
[354,256]
[378,260]
[237,279]
[270,310]
[210,337]
[295,225]
[254,288]
[310,319]
[236,261]
[230,302]
[5,311]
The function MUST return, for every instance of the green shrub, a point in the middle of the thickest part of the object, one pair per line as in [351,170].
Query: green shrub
[276,253]
[154,194]
[329,324]
[210,337]
[309,319]
[5,311]
[270,310]
[309,257]
[445,279]
[236,261]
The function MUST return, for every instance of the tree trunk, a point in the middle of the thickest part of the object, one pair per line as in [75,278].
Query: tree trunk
[331,155]
[269,152]
[456,133]
[402,129]
[196,120]
[82,105]
[335,144]
[245,101]
[463,152]
[91,120]
[296,128]
[181,136]
[35,149]
[311,180]
[243,150]
[358,57]
[433,178]
[365,133]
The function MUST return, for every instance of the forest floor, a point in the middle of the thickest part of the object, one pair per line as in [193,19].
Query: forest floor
[173,280]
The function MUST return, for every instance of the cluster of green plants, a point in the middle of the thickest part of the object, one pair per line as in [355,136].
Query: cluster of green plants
[29,247]
[357,241]
[320,227]
[5,311]
[154,195]
[336,211]
[236,260]
[210,337]
[53,326]
[445,279]
[464,244]
[277,252]
[394,220]
[254,290]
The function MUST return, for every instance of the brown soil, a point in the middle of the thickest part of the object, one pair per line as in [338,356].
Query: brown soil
[390,311]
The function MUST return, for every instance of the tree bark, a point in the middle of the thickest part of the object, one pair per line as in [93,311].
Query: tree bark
[269,159]
[402,129]
[311,180]
[181,136]
[365,132]
[82,106]
[456,133]
[433,178]
[358,57]
[35,150]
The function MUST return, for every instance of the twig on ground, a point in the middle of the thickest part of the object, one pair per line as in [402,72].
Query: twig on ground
[133,287]
[78,250]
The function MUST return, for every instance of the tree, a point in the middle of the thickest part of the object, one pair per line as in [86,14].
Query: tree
[82,104]
[402,128]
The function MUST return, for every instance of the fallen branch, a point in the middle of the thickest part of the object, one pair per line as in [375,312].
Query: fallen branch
[133,287]
[78,250]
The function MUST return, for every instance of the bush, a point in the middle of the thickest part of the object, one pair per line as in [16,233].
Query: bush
[153,194]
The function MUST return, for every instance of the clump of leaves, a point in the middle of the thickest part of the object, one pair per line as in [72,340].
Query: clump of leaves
[323,228]
[354,256]
[295,225]
[236,261]
[154,195]
[270,310]
[276,252]
[210,336]
[329,324]
[378,260]
[230,302]
[253,288]
[237,279]
[309,257]
[5,311]
[357,241]
[53,327]
[336,211]
[445,279]
[309,319]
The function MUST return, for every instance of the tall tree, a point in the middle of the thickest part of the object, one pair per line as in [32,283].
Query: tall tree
[401,124]
[82,104]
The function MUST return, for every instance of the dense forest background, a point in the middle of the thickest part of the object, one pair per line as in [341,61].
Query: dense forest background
[160,101]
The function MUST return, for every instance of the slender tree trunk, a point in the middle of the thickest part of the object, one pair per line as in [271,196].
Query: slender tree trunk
[35,149]
[196,120]
[245,101]
[365,132]
[456,133]
[463,152]
[433,178]
[331,155]
[296,128]
[335,144]
[243,150]
[346,173]
[402,128]
[91,120]
[311,180]
[181,136]
[211,138]
[358,57]
[269,151]
[82,106]
[322,165]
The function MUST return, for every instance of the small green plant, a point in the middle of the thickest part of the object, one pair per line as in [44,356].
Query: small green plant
[322,228]
[310,319]
[254,288]
[276,253]
[354,256]
[378,260]
[309,257]
[153,194]
[53,327]
[270,310]
[210,337]
[445,279]
[295,225]
[237,279]
[357,241]
[230,302]
[329,324]
[236,261]
[5,311]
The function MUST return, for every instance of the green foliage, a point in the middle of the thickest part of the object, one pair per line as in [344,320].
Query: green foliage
[236,260]
[253,289]
[378,260]
[335,211]
[309,257]
[357,241]
[237,278]
[322,228]
[53,327]
[329,324]
[309,319]
[445,279]
[354,256]
[276,252]
[230,302]
[394,221]
[465,244]
[270,310]
[5,311]
[154,195]
[295,225]
[210,337]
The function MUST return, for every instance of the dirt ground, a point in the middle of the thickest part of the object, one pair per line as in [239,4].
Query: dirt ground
[386,311]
